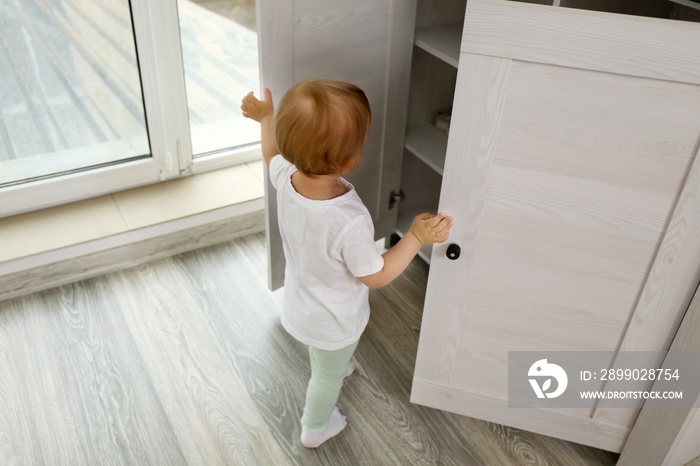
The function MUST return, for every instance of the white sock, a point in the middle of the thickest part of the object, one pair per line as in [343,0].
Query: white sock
[351,369]
[335,425]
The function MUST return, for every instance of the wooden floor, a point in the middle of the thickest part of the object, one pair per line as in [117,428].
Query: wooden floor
[183,361]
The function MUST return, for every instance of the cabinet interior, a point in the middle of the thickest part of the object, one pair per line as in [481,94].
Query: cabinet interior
[437,38]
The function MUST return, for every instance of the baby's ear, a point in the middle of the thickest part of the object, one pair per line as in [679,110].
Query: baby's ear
[352,164]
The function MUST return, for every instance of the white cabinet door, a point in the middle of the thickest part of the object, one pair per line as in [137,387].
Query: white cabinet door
[573,176]
[366,42]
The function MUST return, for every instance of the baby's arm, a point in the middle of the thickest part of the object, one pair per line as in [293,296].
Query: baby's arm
[425,229]
[262,111]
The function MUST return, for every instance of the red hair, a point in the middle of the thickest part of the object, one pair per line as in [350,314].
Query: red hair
[321,125]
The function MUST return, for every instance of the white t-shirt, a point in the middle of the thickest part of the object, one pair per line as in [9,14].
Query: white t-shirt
[327,244]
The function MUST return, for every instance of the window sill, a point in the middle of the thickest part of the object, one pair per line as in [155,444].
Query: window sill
[54,246]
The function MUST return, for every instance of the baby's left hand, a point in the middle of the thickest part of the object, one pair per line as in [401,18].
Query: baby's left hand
[257,109]
[431,229]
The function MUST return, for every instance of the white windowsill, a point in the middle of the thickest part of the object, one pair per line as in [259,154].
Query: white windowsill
[46,236]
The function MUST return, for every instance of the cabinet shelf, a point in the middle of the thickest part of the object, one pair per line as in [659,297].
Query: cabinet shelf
[442,41]
[428,144]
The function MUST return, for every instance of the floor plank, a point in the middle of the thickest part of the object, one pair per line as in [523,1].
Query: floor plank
[208,407]
[81,394]
[183,361]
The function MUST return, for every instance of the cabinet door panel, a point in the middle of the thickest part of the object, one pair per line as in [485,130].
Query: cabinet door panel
[366,42]
[567,182]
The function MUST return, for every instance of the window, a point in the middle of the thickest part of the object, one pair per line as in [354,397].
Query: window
[105,95]
[219,51]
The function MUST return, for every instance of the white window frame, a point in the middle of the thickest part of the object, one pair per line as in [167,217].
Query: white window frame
[159,52]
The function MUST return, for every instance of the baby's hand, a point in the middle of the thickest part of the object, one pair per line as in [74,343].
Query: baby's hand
[256,109]
[431,229]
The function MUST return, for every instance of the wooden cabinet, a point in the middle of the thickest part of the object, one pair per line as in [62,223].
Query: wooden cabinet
[571,169]
[572,173]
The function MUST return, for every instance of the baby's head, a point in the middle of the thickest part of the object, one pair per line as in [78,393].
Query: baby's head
[321,126]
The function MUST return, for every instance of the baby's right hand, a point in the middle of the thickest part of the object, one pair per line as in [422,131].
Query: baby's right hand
[257,109]
[431,229]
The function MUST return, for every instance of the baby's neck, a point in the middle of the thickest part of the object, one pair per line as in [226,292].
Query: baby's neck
[318,188]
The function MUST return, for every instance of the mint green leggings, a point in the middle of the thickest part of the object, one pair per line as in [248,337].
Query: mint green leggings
[328,370]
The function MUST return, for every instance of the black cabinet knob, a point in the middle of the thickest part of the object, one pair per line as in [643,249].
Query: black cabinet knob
[453,251]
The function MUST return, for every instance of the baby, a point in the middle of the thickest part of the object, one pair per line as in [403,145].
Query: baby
[315,137]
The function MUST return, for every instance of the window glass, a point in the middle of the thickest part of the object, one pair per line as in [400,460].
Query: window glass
[220,55]
[71,93]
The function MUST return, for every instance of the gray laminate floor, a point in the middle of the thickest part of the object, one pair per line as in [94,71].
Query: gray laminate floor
[183,361]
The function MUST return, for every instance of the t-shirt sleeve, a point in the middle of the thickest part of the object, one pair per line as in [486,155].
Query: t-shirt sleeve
[358,250]
[280,169]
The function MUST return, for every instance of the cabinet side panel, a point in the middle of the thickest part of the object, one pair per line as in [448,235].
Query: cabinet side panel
[403,17]
[670,284]
[670,436]
[349,41]
[275,51]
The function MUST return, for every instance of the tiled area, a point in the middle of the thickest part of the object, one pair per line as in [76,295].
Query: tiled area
[190,195]
[73,224]
[50,229]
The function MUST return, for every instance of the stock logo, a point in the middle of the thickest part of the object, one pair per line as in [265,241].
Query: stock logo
[544,371]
